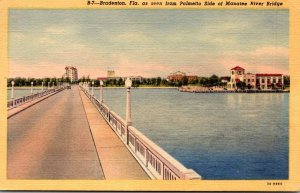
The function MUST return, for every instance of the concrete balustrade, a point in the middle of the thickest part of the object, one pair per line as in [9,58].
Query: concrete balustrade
[19,101]
[154,160]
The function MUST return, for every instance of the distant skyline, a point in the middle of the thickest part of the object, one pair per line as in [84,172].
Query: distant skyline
[149,43]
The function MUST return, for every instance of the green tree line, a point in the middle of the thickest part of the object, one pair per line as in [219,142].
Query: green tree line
[210,81]
[213,80]
[19,81]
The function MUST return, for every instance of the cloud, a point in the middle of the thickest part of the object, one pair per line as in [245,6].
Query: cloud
[17,36]
[47,40]
[37,70]
[132,37]
[268,59]
[57,30]
[271,51]
[148,44]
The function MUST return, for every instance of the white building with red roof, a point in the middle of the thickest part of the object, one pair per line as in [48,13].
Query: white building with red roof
[269,81]
[237,75]
[254,81]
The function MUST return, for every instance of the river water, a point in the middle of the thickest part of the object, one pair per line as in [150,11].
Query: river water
[221,136]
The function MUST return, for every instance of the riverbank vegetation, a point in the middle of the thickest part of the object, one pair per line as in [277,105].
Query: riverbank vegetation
[210,81]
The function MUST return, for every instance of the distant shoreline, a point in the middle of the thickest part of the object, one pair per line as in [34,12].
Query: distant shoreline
[177,88]
[147,87]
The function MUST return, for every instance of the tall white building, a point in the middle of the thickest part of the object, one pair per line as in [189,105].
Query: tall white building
[71,73]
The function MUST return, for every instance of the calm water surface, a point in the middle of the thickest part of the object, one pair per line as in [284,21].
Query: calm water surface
[20,92]
[221,136]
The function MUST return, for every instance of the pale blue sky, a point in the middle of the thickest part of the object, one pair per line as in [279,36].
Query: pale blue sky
[147,42]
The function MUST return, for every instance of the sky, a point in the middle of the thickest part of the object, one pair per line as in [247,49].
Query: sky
[149,43]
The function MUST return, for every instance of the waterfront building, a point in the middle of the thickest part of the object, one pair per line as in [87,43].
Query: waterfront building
[111,73]
[224,79]
[102,78]
[178,76]
[250,80]
[192,78]
[71,73]
[115,78]
[136,78]
[254,81]
[269,81]
[236,75]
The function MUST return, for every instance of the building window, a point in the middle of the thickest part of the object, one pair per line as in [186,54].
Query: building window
[252,80]
[268,81]
[262,80]
[232,72]
[279,80]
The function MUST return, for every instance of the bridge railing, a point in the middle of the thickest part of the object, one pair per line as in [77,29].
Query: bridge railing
[154,160]
[12,103]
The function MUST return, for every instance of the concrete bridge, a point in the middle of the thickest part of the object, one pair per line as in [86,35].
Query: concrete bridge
[69,134]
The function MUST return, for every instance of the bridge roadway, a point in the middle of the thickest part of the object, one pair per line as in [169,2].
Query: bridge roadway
[54,139]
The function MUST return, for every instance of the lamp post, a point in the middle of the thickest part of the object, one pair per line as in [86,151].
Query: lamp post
[31,91]
[52,84]
[128,85]
[48,85]
[93,88]
[101,91]
[12,89]
[42,86]
[12,92]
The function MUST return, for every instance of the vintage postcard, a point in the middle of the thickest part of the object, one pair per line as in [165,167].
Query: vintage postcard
[155,95]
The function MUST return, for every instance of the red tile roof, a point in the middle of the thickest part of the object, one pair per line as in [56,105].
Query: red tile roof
[268,74]
[101,78]
[237,68]
[225,78]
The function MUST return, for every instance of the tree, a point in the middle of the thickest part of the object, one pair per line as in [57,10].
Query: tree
[158,81]
[136,83]
[185,80]
[286,80]
[120,82]
[214,80]
[203,81]
[68,80]
[249,86]
[241,85]
[164,82]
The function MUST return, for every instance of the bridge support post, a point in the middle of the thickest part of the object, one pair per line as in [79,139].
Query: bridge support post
[93,88]
[31,91]
[101,91]
[128,84]
[12,92]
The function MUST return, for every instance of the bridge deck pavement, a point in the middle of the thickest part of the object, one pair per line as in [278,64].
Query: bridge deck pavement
[52,140]
[116,160]
[28,104]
